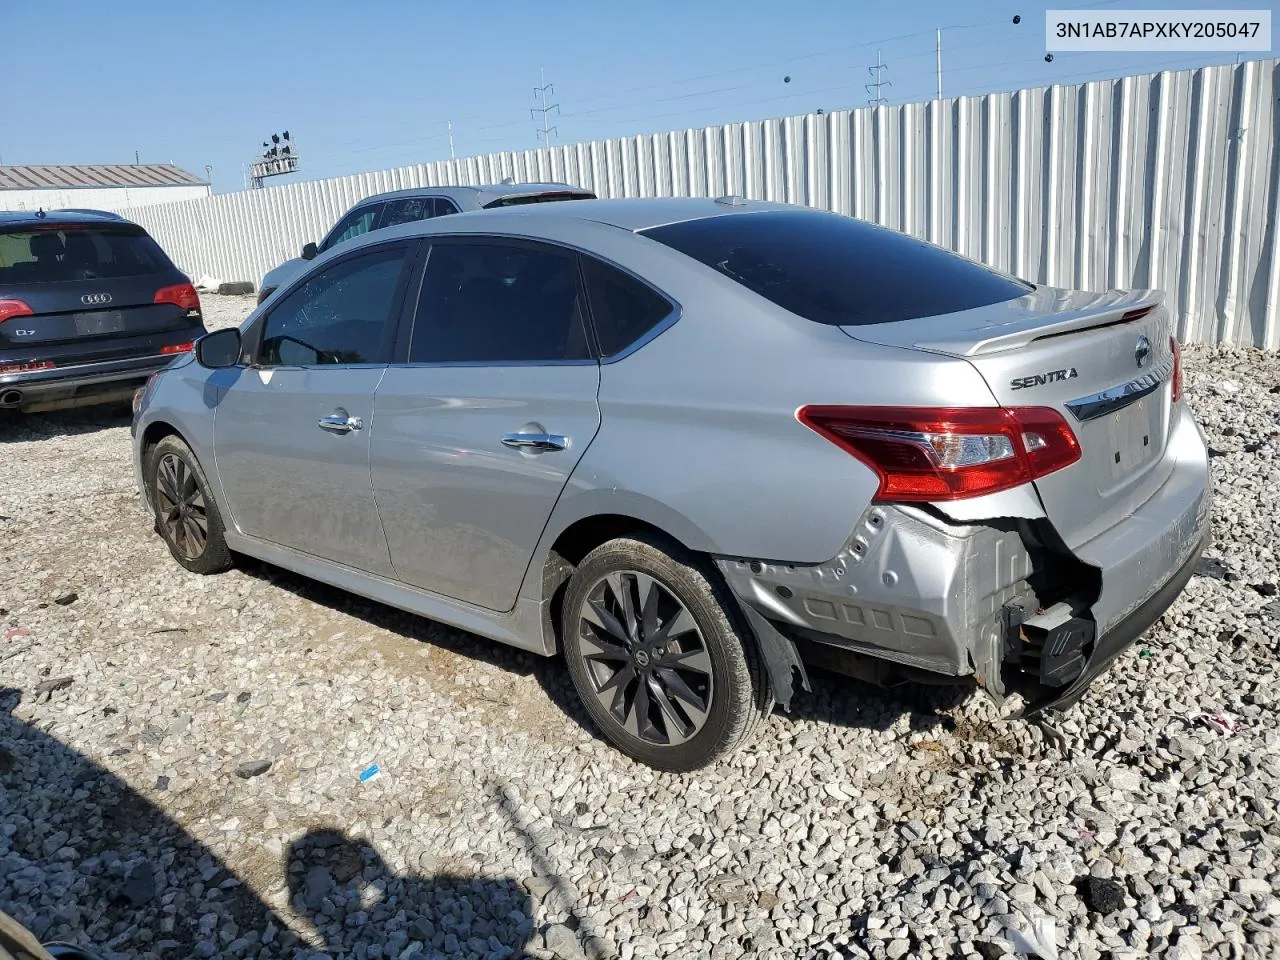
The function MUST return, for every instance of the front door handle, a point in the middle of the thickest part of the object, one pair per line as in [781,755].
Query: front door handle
[339,423]
[535,441]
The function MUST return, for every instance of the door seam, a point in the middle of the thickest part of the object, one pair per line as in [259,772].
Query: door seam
[373,490]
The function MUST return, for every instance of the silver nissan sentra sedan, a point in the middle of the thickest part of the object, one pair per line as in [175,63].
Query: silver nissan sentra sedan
[694,445]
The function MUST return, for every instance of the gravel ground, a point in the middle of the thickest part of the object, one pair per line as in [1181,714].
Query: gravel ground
[180,760]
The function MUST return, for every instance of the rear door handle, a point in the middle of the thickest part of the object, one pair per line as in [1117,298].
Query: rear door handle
[339,423]
[535,441]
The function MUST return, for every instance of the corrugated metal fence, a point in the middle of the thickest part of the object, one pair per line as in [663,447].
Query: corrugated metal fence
[1167,180]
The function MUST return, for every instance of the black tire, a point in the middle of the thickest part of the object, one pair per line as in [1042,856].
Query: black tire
[715,665]
[172,469]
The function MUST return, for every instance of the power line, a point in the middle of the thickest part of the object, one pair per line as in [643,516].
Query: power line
[540,94]
[1038,81]
[874,87]
[755,65]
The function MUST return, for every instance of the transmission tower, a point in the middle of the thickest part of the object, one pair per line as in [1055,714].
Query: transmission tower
[543,108]
[874,88]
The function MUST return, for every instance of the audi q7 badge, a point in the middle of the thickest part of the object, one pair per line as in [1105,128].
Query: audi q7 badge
[95,299]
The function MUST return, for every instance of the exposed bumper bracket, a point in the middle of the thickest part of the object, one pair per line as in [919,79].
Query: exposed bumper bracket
[1115,641]
[779,654]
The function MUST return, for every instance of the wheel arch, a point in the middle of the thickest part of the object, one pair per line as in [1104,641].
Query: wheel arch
[555,565]
[154,432]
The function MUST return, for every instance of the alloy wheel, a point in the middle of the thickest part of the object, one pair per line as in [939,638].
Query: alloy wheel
[180,506]
[646,658]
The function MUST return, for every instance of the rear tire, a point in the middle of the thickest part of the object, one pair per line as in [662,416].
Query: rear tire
[187,518]
[658,657]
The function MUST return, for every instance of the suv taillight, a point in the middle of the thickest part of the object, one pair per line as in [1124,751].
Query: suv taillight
[181,294]
[1177,369]
[948,453]
[14,308]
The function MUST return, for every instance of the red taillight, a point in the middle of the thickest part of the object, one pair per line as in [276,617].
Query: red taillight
[181,294]
[947,453]
[1177,369]
[28,367]
[176,348]
[14,308]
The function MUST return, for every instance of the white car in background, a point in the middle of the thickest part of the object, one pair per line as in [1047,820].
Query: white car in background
[384,210]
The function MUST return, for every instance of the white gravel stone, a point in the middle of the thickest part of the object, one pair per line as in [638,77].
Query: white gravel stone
[500,826]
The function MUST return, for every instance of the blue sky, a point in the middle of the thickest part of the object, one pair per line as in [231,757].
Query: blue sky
[369,85]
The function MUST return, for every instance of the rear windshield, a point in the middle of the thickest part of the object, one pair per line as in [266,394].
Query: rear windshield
[90,252]
[837,270]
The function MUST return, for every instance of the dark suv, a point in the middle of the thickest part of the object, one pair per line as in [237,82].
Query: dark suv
[90,306]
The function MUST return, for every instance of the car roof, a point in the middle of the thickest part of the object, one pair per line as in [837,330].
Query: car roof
[477,196]
[21,217]
[631,214]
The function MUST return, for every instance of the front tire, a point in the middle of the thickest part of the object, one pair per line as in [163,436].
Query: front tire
[660,663]
[187,518]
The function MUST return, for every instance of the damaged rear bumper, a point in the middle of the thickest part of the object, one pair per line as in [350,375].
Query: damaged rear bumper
[917,592]
[1120,637]
[908,587]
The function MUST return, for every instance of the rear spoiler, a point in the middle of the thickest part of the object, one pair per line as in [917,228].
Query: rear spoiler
[1042,318]
[536,196]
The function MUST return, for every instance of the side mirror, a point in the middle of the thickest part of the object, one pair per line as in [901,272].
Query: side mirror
[310,251]
[219,349]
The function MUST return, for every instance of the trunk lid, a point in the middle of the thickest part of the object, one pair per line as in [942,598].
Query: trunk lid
[1104,361]
[89,311]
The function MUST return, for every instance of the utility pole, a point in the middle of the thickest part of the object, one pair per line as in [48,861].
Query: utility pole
[450,139]
[938,50]
[874,88]
[544,108]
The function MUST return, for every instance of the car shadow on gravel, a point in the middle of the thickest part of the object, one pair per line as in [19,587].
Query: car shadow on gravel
[86,859]
[30,427]
[833,699]
[353,897]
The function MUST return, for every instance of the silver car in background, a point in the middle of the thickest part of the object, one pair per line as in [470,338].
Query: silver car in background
[384,210]
[693,445]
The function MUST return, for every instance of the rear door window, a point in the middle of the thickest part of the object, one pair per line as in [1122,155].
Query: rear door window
[623,309]
[490,301]
[408,210]
[89,252]
[837,270]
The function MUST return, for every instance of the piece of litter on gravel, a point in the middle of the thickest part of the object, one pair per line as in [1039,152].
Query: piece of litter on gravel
[370,772]
[47,688]
[1145,654]
[17,632]
[1221,722]
[66,599]
[162,783]
[1041,942]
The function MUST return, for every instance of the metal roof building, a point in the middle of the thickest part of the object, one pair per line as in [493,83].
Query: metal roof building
[108,186]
